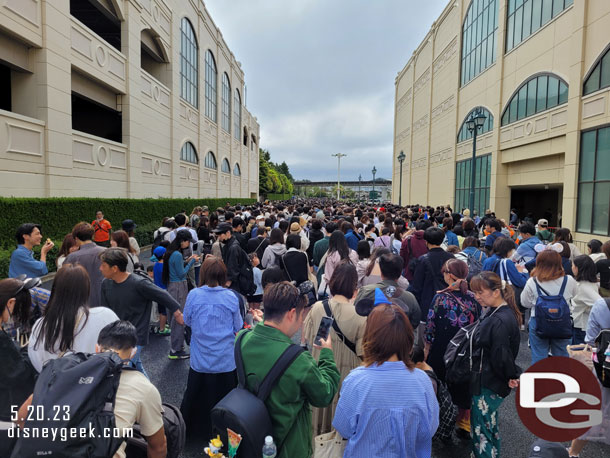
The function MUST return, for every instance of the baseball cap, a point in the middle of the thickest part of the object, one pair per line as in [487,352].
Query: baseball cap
[222,228]
[128,225]
[159,252]
[545,449]
[205,208]
[543,222]
[260,217]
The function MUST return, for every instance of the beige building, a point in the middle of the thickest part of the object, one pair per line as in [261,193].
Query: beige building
[121,98]
[539,71]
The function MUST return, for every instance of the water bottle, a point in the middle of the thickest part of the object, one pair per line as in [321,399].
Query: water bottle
[269,449]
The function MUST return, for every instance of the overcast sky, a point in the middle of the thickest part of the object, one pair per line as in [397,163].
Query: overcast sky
[320,76]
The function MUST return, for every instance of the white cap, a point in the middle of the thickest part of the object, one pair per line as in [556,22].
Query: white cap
[268,440]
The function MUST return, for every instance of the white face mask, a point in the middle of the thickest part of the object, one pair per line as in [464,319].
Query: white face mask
[261,223]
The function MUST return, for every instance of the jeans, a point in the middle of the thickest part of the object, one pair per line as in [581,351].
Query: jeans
[137,361]
[578,336]
[540,347]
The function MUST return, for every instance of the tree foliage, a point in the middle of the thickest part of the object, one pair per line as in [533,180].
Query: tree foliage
[273,178]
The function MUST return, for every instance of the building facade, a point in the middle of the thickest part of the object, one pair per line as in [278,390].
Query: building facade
[539,72]
[121,98]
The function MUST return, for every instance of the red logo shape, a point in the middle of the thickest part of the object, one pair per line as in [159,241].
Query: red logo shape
[559,399]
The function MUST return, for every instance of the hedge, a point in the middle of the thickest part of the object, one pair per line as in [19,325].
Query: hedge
[279,196]
[57,216]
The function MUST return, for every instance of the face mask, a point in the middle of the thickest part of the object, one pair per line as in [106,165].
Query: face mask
[261,224]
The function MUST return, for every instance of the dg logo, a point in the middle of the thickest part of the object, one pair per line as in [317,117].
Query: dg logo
[559,399]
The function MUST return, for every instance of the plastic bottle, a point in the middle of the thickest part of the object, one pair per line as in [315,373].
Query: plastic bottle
[269,449]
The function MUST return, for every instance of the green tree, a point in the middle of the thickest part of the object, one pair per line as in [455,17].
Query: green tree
[274,178]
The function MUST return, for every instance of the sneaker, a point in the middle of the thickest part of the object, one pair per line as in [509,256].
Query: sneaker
[166,332]
[178,355]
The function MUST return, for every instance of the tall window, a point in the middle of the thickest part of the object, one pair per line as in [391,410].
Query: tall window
[252,143]
[482,184]
[210,161]
[237,115]
[464,134]
[189,64]
[188,153]
[538,94]
[236,170]
[479,38]
[211,84]
[527,16]
[226,167]
[594,183]
[226,103]
[599,77]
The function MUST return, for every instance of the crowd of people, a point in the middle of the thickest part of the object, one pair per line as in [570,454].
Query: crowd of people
[399,283]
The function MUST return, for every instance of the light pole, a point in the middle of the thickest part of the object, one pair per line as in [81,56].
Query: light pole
[374,171]
[339,156]
[359,183]
[401,159]
[474,123]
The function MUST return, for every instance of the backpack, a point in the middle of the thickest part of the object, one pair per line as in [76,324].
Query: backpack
[602,362]
[462,355]
[553,320]
[412,265]
[447,410]
[86,384]
[475,265]
[245,412]
[175,435]
[246,275]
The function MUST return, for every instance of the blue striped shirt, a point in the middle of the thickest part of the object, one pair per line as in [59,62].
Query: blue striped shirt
[387,411]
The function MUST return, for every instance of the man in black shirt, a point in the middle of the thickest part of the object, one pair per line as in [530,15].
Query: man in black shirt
[130,296]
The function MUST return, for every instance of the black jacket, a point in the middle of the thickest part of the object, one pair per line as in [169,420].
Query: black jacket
[314,236]
[241,238]
[428,278]
[17,376]
[499,339]
[295,265]
[233,255]
[257,244]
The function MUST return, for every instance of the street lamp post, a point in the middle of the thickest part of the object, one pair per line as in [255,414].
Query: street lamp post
[401,159]
[339,156]
[374,171]
[474,124]
[359,183]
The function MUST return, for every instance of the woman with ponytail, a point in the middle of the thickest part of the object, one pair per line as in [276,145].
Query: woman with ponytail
[451,309]
[499,340]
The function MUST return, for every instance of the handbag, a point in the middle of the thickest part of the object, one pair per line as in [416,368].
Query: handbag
[582,353]
[329,445]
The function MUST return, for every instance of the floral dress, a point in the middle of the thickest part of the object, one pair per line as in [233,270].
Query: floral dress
[449,312]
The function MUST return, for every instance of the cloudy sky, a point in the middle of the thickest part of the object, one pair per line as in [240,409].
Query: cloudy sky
[320,76]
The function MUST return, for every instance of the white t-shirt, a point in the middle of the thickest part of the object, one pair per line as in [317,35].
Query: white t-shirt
[84,341]
[137,401]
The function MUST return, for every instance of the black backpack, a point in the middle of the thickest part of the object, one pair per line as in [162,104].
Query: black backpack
[462,355]
[158,239]
[175,435]
[245,412]
[602,365]
[75,391]
[246,277]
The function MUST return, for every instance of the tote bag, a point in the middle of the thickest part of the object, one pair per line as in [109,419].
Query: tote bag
[329,445]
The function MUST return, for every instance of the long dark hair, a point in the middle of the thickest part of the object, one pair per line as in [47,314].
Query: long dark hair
[23,300]
[492,281]
[375,255]
[181,236]
[70,292]
[338,243]
[587,271]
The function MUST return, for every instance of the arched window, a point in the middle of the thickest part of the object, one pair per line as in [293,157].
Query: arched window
[599,77]
[211,83]
[527,16]
[210,161]
[188,153]
[189,64]
[252,143]
[479,38]
[537,94]
[236,170]
[226,103]
[236,114]
[226,167]
[464,134]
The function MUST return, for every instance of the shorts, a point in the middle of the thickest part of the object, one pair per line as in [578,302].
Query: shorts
[162,310]
[256,298]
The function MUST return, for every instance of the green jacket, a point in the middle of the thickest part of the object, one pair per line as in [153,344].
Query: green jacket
[305,383]
[320,247]
[545,235]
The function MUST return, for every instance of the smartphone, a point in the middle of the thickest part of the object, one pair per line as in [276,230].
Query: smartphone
[323,330]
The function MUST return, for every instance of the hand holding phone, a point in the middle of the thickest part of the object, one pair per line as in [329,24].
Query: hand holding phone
[323,331]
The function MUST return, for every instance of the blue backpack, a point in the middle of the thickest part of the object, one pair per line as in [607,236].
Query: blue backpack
[553,320]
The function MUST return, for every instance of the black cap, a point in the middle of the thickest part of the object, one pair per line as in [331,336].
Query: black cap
[222,228]
[545,449]
[128,225]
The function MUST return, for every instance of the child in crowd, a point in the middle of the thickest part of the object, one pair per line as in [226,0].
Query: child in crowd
[255,300]
[158,254]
